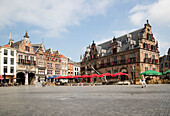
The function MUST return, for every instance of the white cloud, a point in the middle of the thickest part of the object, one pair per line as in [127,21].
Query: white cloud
[158,13]
[119,33]
[53,16]
[104,39]
[162,43]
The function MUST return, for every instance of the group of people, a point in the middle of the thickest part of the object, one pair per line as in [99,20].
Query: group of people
[143,81]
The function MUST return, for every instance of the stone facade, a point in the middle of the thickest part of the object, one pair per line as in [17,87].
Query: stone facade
[41,71]
[26,61]
[132,53]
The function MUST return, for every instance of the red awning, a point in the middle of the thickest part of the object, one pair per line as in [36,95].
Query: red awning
[86,76]
[106,74]
[94,75]
[119,73]
[1,78]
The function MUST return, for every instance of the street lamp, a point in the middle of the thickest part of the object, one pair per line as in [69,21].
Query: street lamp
[133,68]
[27,71]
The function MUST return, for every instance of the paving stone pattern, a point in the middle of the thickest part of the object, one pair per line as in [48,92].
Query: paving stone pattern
[106,100]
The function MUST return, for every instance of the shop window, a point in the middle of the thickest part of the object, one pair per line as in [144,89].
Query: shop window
[12,61]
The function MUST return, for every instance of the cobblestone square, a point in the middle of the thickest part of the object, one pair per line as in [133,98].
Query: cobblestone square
[107,100]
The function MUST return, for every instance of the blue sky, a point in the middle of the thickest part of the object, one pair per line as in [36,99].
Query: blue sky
[71,25]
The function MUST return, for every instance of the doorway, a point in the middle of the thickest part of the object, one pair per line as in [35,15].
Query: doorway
[20,78]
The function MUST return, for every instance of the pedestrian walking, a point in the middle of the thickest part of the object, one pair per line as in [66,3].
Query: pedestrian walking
[143,81]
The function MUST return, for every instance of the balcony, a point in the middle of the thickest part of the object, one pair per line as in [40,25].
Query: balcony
[28,62]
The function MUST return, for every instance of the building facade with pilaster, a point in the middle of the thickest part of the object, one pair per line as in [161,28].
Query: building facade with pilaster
[25,61]
[131,53]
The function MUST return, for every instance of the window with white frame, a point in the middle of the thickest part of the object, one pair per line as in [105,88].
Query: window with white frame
[12,70]
[5,52]
[57,66]
[49,65]
[57,72]
[40,63]
[26,58]
[12,53]
[32,60]
[12,61]
[5,60]
[49,72]
[5,69]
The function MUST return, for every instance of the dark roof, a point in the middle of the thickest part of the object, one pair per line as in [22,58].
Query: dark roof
[16,44]
[37,46]
[122,39]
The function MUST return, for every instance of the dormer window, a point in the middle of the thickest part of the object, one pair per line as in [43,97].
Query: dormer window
[27,48]
[148,36]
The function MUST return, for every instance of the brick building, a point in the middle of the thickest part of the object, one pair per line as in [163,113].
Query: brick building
[41,71]
[164,62]
[64,63]
[70,67]
[132,53]
[53,62]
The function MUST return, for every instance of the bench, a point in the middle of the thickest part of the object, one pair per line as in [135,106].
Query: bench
[124,83]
